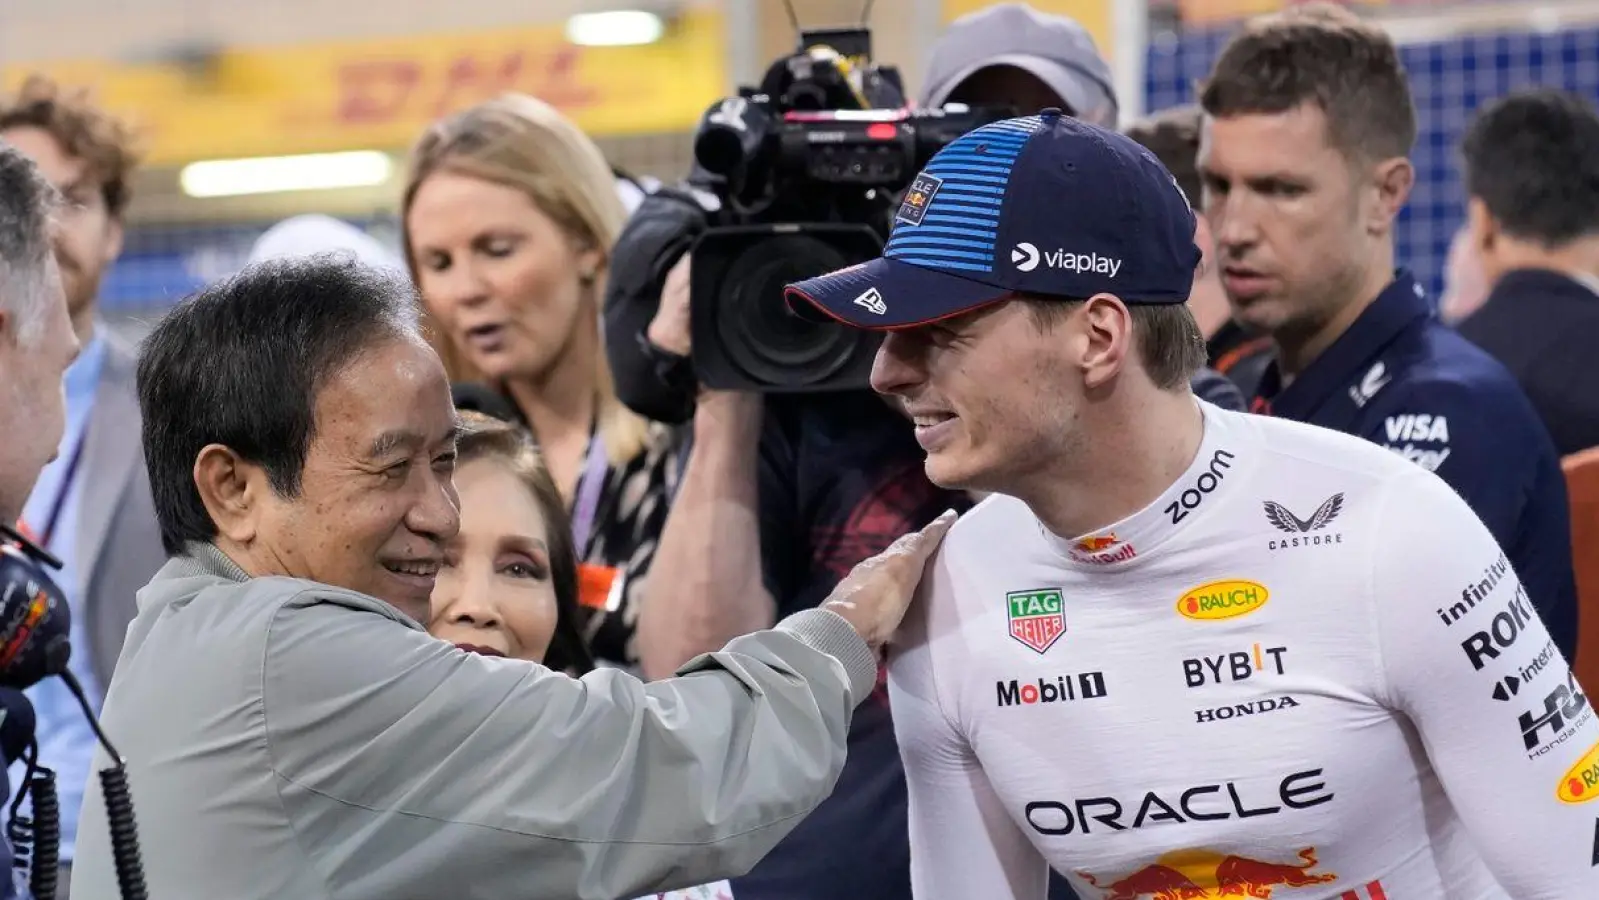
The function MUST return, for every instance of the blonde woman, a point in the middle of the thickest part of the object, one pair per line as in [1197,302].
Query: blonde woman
[510,214]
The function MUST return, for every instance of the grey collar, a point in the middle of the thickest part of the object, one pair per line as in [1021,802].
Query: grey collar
[205,559]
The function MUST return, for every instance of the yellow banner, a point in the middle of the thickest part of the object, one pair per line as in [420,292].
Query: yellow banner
[382,94]
[1198,11]
[1094,15]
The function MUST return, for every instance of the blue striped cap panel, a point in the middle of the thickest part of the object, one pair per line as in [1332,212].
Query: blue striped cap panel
[949,219]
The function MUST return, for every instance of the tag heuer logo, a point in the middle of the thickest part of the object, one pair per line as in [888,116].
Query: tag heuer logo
[1037,618]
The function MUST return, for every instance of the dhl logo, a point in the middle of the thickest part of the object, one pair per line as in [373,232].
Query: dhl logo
[1581,783]
[1196,874]
[1097,543]
[1223,600]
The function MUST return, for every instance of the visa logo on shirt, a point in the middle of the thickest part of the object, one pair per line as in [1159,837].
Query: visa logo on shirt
[1419,428]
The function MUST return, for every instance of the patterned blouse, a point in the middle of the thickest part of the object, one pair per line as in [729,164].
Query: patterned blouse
[628,520]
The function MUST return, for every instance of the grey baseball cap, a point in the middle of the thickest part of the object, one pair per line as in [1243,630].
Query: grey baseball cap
[1055,49]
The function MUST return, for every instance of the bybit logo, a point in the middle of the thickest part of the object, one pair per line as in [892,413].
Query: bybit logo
[1025,256]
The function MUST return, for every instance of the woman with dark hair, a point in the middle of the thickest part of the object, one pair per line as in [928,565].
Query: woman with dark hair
[508,586]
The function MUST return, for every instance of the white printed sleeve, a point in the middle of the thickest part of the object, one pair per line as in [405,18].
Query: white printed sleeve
[1511,735]
[963,844]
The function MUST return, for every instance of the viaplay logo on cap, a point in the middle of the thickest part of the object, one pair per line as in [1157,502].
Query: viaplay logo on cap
[1026,257]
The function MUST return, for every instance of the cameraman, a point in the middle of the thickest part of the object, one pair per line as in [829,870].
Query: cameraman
[781,494]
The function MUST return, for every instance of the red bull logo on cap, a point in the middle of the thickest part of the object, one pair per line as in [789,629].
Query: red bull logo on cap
[1205,874]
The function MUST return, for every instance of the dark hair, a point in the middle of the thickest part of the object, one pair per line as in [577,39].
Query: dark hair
[241,363]
[83,129]
[1531,159]
[26,201]
[1168,340]
[484,437]
[1173,136]
[1322,54]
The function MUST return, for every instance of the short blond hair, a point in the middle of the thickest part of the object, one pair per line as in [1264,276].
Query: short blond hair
[524,143]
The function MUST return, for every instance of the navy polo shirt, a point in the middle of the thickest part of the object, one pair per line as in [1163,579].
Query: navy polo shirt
[1401,378]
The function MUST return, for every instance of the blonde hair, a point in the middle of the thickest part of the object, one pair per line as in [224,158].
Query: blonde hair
[524,143]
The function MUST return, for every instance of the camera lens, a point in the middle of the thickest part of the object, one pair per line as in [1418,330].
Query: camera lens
[766,340]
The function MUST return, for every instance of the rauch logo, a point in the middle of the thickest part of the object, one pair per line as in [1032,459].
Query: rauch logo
[1581,783]
[1223,600]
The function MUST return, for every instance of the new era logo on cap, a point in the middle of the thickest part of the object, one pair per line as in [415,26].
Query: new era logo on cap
[872,301]
[1040,205]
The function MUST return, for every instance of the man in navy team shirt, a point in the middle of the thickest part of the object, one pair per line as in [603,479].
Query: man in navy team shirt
[1308,125]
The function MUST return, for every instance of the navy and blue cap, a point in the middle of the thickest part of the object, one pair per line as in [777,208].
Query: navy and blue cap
[1043,205]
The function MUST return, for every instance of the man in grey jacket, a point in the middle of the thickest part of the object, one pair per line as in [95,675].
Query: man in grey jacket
[290,729]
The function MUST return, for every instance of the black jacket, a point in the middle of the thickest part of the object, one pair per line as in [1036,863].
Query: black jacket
[1544,326]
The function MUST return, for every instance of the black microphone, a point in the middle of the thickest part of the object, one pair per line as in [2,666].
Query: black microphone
[16,724]
[35,621]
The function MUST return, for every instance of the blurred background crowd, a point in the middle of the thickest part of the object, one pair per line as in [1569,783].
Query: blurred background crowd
[239,103]
[493,153]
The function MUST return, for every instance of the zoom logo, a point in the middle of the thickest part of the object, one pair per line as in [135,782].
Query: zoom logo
[1025,256]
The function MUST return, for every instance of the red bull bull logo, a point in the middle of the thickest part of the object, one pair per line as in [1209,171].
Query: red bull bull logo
[1102,549]
[1208,875]
[1097,543]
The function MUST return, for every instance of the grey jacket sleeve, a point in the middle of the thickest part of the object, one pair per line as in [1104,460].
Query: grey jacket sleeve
[410,768]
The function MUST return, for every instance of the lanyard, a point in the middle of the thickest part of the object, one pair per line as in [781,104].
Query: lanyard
[42,538]
[588,495]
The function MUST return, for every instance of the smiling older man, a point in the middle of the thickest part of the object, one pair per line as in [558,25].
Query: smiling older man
[293,732]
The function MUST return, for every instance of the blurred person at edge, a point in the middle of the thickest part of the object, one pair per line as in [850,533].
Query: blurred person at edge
[1173,136]
[37,345]
[92,507]
[1465,285]
[1308,124]
[1532,176]
[782,494]
[508,582]
[292,730]
[312,234]
[510,215]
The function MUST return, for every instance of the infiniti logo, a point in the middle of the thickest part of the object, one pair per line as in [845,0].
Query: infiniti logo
[1025,256]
